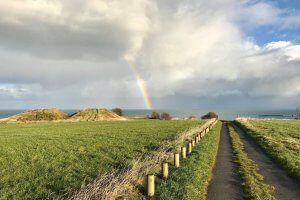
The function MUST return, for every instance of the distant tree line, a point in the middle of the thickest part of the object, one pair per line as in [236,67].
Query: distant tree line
[163,116]
[168,116]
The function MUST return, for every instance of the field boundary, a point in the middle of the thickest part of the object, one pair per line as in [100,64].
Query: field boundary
[277,159]
[254,184]
[191,179]
[285,187]
[119,184]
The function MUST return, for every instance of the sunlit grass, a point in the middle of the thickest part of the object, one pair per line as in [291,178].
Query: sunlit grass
[253,183]
[42,160]
[190,181]
[280,139]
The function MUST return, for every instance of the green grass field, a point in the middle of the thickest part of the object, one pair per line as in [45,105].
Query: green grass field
[48,160]
[253,184]
[280,139]
[190,181]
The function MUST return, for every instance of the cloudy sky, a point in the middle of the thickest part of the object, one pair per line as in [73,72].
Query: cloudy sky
[134,53]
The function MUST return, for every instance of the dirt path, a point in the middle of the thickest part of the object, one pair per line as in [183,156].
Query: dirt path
[225,183]
[285,187]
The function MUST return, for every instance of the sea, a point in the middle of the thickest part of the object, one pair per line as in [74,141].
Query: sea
[226,114]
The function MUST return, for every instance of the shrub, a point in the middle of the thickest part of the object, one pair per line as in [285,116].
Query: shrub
[155,115]
[118,111]
[210,115]
[166,116]
[192,118]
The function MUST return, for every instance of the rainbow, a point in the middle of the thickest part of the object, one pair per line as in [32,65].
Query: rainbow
[143,87]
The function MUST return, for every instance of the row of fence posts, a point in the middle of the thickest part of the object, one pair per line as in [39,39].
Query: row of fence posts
[165,165]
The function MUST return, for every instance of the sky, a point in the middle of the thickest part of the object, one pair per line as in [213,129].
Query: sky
[149,54]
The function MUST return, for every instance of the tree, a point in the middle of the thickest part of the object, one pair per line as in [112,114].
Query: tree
[210,115]
[155,115]
[192,118]
[118,111]
[166,116]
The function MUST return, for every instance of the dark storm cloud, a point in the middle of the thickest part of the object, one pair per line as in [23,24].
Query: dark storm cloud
[41,38]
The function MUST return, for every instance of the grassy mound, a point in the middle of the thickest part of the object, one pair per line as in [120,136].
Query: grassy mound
[95,114]
[47,114]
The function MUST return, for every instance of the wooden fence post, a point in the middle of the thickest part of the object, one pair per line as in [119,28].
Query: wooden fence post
[176,159]
[150,185]
[165,170]
[183,152]
[190,148]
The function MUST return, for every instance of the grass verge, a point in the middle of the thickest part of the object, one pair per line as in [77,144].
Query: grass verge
[280,139]
[190,181]
[252,181]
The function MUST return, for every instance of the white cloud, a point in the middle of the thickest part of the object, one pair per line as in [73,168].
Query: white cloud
[195,48]
[258,13]
[16,91]
[293,52]
[278,44]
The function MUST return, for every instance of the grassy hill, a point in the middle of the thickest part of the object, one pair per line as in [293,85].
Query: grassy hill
[47,114]
[95,114]
[53,114]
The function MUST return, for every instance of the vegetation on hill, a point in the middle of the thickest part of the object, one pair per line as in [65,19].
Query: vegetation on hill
[210,115]
[193,118]
[155,115]
[95,114]
[253,184]
[118,111]
[166,116]
[49,160]
[190,181]
[47,114]
[280,139]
